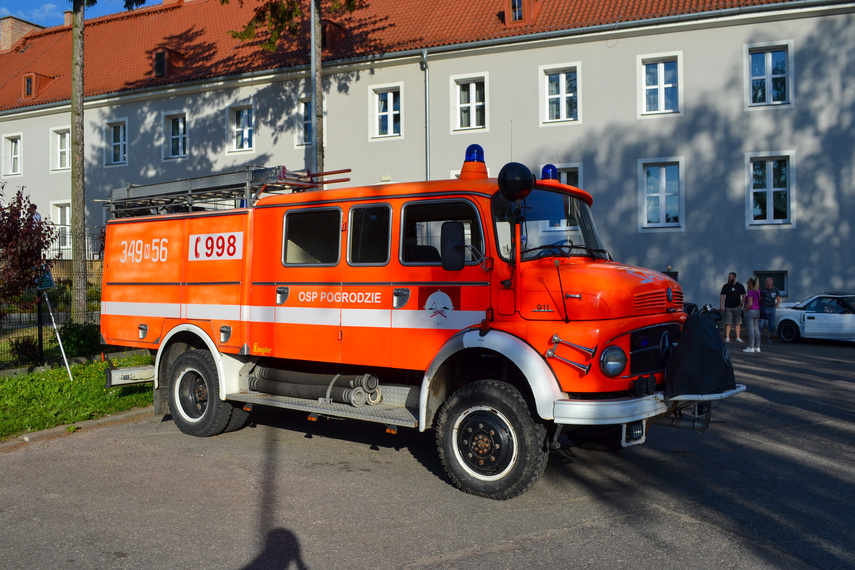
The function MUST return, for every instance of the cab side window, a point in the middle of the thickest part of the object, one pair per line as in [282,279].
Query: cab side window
[422,230]
[370,234]
[312,237]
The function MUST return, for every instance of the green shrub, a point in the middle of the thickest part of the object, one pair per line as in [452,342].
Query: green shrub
[80,339]
[25,350]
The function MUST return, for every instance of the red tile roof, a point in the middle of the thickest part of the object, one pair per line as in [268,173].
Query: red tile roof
[119,48]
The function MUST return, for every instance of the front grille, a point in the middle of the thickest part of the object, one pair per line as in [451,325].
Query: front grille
[645,355]
[654,301]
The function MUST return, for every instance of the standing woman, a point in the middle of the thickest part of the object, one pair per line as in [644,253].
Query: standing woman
[751,310]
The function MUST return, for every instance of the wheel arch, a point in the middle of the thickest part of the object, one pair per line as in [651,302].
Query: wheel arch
[181,339]
[529,373]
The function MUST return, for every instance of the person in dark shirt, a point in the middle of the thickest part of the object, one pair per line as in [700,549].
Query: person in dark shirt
[770,298]
[732,298]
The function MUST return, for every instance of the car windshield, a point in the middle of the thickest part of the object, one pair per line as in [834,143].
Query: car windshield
[829,305]
[555,224]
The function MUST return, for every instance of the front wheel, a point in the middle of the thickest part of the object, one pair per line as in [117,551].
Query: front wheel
[194,395]
[789,331]
[488,441]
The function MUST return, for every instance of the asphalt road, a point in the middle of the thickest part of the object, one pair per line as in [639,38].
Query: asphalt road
[770,486]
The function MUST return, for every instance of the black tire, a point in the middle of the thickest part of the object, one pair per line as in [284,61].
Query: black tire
[789,331]
[238,419]
[488,441]
[194,395]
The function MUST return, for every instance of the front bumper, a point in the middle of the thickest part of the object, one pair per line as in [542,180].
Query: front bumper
[626,410]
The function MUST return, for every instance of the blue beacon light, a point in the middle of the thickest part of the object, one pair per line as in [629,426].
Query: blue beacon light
[549,172]
[474,153]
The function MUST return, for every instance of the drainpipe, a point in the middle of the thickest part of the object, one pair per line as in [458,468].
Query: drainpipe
[424,66]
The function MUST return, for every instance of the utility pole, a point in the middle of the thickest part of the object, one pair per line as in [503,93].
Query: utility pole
[317,89]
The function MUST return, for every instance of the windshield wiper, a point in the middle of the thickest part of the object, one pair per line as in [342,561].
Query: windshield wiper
[558,249]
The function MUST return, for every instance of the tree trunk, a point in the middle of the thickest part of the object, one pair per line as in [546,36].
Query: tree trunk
[78,190]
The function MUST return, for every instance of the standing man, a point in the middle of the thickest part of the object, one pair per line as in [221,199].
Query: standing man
[732,297]
[770,298]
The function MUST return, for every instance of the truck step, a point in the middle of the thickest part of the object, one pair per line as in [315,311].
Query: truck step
[399,406]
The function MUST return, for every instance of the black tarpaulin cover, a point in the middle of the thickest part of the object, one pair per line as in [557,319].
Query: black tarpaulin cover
[700,363]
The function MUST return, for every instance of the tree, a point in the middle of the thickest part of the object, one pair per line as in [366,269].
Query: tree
[283,17]
[23,241]
[78,176]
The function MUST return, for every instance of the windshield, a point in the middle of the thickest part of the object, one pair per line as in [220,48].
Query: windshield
[556,224]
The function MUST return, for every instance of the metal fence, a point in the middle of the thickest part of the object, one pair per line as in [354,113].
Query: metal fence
[27,335]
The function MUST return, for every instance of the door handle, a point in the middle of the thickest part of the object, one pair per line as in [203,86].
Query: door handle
[282,294]
[400,296]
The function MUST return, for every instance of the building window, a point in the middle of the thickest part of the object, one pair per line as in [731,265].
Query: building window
[562,97]
[62,220]
[12,152]
[779,280]
[241,128]
[770,74]
[516,10]
[28,86]
[570,175]
[660,88]
[117,142]
[387,112]
[770,189]
[175,135]
[61,149]
[470,95]
[304,127]
[661,193]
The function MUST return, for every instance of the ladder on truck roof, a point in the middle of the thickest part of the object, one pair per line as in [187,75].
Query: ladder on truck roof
[215,191]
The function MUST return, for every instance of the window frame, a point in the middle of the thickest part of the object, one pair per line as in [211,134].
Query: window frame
[375,92]
[56,152]
[308,211]
[352,227]
[403,243]
[768,47]
[778,277]
[63,230]
[544,71]
[642,61]
[643,225]
[111,144]
[768,157]
[13,141]
[167,118]
[234,111]
[455,83]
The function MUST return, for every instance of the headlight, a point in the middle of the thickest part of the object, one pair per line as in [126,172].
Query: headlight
[613,361]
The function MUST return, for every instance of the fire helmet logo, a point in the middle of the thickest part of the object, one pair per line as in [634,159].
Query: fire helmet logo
[439,304]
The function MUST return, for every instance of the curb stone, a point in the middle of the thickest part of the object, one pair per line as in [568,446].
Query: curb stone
[59,431]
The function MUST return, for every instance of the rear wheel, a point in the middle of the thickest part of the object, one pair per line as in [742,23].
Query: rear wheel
[789,331]
[194,395]
[488,441]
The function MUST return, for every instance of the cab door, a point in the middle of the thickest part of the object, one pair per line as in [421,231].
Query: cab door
[306,292]
[431,304]
[367,289]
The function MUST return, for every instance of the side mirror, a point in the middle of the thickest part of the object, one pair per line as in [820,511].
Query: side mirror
[452,243]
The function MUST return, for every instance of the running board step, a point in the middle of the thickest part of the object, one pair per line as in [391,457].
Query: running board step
[399,406]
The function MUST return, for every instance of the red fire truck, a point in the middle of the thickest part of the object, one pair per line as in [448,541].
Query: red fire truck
[485,309]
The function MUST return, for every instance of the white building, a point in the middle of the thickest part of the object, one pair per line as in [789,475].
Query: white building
[712,141]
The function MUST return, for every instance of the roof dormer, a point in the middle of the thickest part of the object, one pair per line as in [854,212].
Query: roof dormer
[521,12]
[33,85]
[165,62]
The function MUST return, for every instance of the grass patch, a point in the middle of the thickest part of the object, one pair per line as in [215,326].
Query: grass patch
[43,400]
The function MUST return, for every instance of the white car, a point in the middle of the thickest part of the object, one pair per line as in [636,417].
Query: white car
[828,316]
